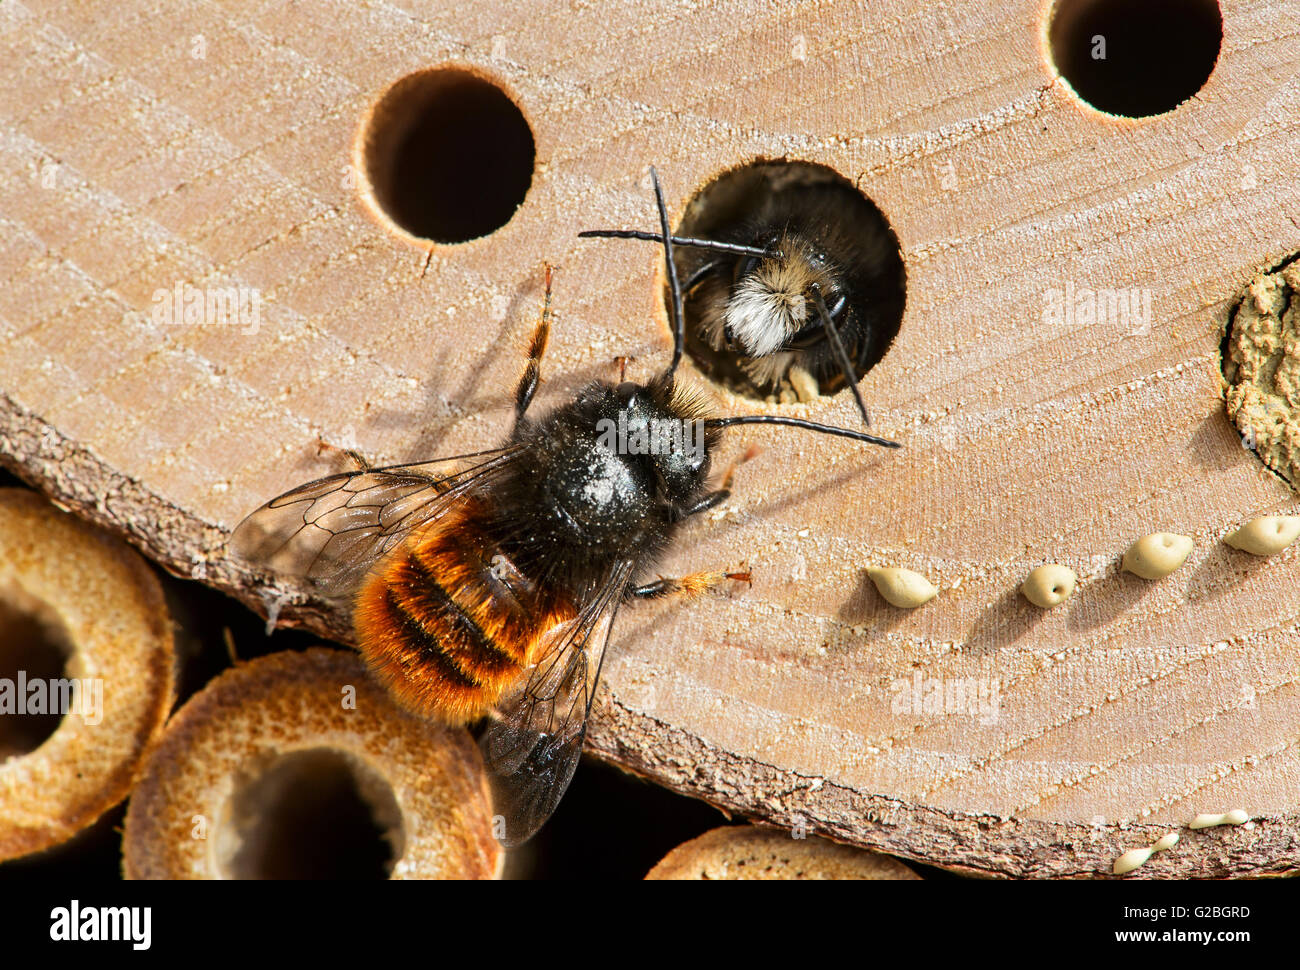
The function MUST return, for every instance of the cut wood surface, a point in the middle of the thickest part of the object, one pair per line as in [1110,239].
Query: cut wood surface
[148,144]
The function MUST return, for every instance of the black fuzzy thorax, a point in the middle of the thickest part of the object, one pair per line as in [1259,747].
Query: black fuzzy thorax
[568,510]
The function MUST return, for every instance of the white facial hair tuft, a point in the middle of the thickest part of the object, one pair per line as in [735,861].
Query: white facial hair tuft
[768,306]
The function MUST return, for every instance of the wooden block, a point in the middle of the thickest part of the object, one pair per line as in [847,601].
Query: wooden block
[148,145]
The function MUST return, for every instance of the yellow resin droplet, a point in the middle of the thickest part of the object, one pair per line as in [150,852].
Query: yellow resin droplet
[1267,535]
[1049,585]
[1238,816]
[805,385]
[902,587]
[1130,860]
[1165,842]
[1157,555]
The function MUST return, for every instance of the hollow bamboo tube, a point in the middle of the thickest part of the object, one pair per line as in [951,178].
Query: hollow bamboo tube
[297,765]
[86,672]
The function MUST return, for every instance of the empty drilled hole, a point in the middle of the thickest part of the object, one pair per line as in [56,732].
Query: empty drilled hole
[447,155]
[751,324]
[35,648]
[314,814]
[1135,59]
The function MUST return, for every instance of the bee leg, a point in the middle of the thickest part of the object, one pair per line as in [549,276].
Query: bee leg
[342,455]
[720,494]
[699,276]
[687,587]
[532,372]
[703,504]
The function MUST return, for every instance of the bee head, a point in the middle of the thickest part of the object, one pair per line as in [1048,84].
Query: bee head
[770,304]
[665,425]
[618,460]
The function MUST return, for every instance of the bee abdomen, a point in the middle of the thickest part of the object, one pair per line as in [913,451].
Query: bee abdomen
[435,628]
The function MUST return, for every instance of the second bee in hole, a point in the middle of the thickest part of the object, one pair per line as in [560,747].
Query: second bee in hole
[793,281]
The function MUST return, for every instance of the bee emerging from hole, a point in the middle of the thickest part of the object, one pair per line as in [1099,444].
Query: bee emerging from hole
[486,585]
[799,281]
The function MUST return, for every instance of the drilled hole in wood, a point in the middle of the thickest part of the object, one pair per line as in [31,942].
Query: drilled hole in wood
[314,814]
[447,155]
[1135,59]
[751,323]
[34,651]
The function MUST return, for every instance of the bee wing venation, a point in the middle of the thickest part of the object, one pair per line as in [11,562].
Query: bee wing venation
[532,745]
[329,533]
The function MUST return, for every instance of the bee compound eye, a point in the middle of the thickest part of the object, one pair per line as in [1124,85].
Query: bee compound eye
[745,267]
[834,299]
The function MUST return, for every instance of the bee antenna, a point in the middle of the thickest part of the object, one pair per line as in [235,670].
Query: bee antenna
[800,423]
[689,242]
[674,284]
[841,354]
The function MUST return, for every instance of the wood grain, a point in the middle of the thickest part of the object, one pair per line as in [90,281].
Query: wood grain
[130,165]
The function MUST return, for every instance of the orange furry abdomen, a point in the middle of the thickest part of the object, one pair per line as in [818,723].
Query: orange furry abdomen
[447,623]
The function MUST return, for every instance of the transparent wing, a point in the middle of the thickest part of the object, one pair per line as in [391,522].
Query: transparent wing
[533,742]
[327,534]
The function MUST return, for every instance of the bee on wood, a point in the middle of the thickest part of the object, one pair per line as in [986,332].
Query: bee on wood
[486,585]
[795,281]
